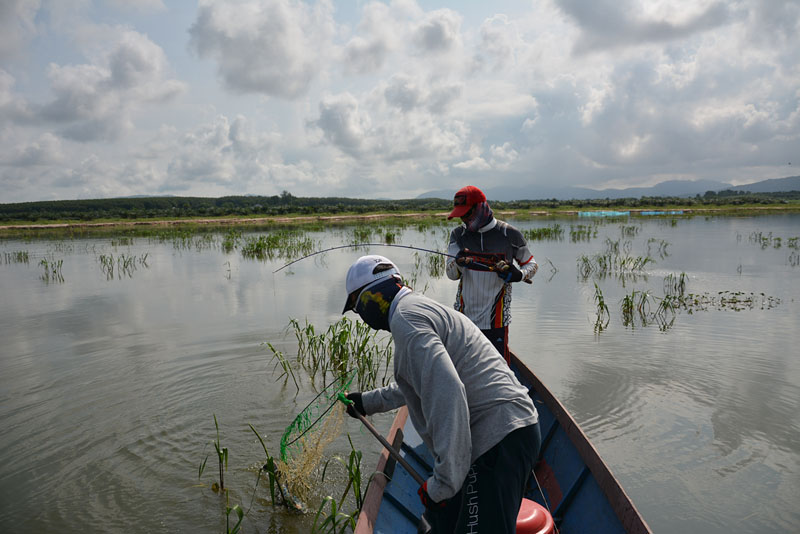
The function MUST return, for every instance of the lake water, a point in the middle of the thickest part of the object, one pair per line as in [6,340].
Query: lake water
[109,385]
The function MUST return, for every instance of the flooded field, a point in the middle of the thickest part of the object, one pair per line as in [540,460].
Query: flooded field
[672,340]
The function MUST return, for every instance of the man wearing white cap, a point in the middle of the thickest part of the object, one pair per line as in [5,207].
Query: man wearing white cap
[465,402]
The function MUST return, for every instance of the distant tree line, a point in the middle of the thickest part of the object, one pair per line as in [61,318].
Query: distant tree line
[288,204]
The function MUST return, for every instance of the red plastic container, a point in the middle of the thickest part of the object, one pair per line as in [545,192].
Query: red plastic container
[533,518]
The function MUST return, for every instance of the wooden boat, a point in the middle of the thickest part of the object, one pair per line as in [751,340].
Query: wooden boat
[572,481]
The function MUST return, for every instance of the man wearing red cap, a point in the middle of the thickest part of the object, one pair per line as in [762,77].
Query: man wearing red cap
[484,251]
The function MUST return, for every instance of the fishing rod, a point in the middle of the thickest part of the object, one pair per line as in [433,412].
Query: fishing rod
[500,266]
[355,245]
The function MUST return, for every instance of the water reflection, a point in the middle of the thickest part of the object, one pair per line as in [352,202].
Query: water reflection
[108,388]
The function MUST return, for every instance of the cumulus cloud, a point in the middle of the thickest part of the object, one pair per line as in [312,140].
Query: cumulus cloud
[274,47]
[438,32]
[387,98]
[613,23]
[95,101]
[376,37]
[342,124]
[17,25]
[45,150]
[500,43]
[139,5]
[227,154]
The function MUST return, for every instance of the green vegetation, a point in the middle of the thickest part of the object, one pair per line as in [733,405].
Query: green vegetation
[280,244]
[286,204]
[337,521]
[582,232]
[769,241]
[345,349]
[222,456]
[602,314]
[52,270]
[553,232]
[611,263]
[20,256]
[344,346]
[122,265]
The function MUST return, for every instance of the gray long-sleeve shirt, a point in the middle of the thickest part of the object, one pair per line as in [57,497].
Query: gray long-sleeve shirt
[461,395]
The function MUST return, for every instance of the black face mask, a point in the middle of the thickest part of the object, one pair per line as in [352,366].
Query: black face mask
[374,303]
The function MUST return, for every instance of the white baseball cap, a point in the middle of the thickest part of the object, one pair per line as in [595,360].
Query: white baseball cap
[363,272]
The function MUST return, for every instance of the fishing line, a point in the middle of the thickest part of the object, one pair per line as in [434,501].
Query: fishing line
[356,245]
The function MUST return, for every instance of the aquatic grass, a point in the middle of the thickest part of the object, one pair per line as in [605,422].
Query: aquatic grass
[222,456]
[270,468]
[602,314]
[582,232]
[20,256]
[280,244]
[553,232]
[231,240]
[553,269]
[629,230]
[337,521]
[61,247]
[604,264]
[435,265]
[675,285]
[343,347]
[617,247]
[122,241]
[239,514]
[52,270]
[122,265]
[361,234]
[769,241]
[660,246]
[650,309]
[282,362]
[728,300]
[763,240]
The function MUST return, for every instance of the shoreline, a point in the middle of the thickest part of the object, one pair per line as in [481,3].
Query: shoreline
[276,219]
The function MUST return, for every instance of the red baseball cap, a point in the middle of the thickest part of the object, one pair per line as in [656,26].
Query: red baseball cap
[465,198]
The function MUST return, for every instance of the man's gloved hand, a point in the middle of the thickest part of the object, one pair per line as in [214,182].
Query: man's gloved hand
[427,502]
[462,258]
[356,406]
[510,273]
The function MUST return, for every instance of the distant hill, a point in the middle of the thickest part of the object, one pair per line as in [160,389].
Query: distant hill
[792,183]
[670,188]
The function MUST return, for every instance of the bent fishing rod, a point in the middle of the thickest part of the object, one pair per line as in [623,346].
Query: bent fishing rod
[500,266]
[356,245]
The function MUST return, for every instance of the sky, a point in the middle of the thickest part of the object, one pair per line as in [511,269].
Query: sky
[390,99]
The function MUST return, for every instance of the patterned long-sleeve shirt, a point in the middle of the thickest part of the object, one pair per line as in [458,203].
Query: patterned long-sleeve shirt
[483,296]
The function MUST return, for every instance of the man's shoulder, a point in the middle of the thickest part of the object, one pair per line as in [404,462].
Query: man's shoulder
[458,231]
[509,231]
[414,310]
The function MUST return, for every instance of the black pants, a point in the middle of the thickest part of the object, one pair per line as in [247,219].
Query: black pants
[490,498]
[499,338]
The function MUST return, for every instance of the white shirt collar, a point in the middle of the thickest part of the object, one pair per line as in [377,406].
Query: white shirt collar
[491,224]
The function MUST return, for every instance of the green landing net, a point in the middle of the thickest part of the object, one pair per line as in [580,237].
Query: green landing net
[305,439]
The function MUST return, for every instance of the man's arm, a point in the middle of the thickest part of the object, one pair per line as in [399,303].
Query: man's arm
[523,255]
[444,406]
[451,268]
[382,399]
